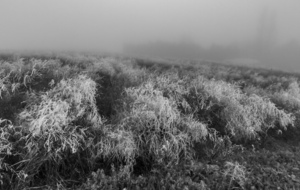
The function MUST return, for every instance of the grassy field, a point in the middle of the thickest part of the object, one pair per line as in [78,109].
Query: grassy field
[75,121]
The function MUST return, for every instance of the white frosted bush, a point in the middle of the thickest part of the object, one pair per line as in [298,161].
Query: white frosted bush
[288,99]
[69,101]
[244,116]
[157,126]
[57,124]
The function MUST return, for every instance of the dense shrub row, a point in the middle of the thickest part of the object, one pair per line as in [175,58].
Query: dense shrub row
[92,122]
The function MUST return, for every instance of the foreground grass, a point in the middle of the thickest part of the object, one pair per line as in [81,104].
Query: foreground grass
[87,122]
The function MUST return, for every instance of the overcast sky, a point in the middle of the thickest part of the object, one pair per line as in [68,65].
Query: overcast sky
[107,24]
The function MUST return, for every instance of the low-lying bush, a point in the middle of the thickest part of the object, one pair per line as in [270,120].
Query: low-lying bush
[130,124]
[52,140]
[233,112]
[159,131]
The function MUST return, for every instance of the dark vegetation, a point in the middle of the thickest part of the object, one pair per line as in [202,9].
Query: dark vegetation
[95,122]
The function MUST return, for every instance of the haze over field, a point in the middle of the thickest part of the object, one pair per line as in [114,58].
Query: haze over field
[260,32]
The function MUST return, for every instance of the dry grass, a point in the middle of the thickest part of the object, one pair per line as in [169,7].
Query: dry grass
[63,118]
[241,115]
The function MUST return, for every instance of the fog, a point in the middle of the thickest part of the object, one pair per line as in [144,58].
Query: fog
[259,32]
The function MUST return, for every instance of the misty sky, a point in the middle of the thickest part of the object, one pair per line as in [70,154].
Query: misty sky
[108,24]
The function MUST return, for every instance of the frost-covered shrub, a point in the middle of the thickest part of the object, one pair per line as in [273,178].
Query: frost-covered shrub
[175,88]
[57,127]
[233,112]
[19,77]
[288,99]
[159,131]
[69,102]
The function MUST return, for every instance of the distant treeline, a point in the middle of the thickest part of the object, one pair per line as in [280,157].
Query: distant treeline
[286,56]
